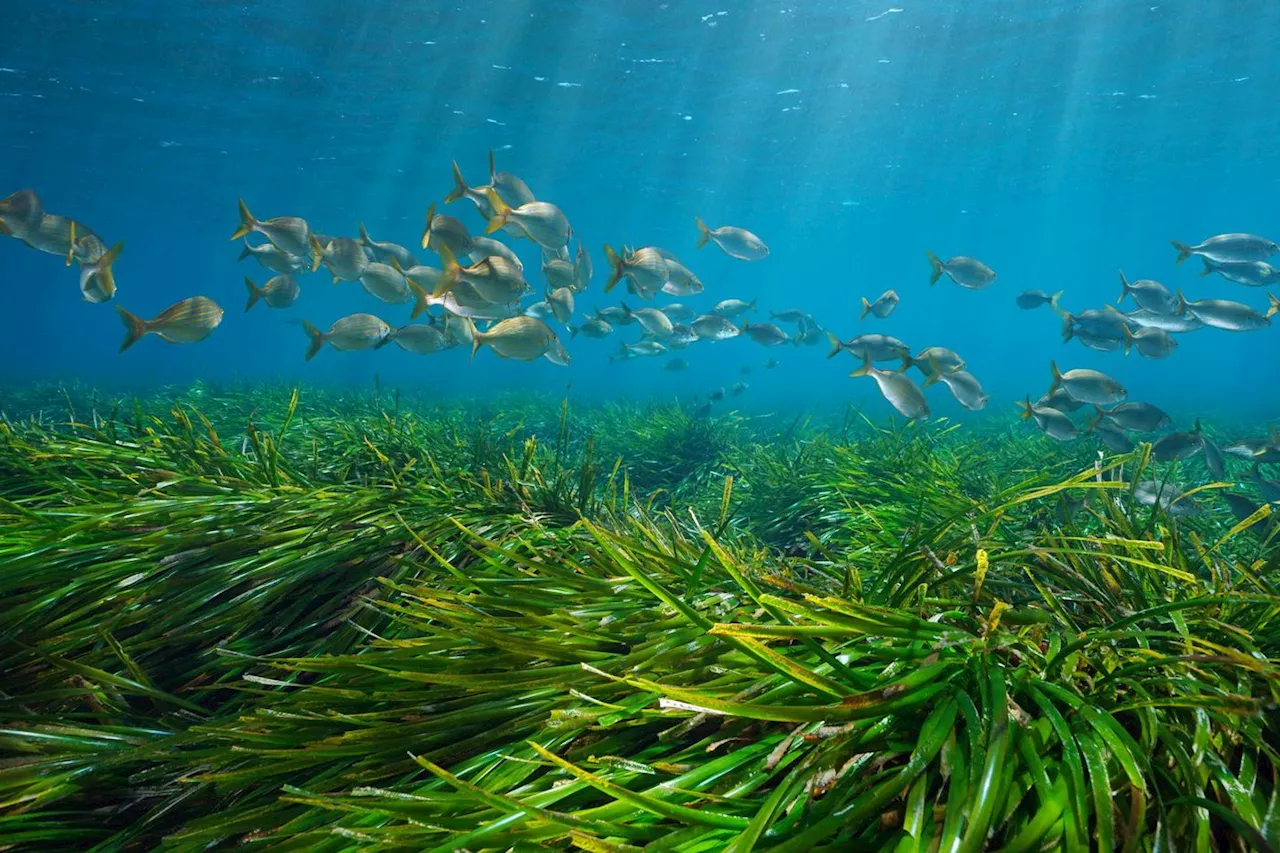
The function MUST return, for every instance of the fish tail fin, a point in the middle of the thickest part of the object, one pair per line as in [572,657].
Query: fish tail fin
[936,268]
[1182,303]
[616,267]
[71,244]
[459,186]
[477,337]
[1274,306]
[836,345]
[1208,269]
[573,332]
[1197,429]
[244,253]
[1184,251]
[1068,327]
[935,369]
[102,268]
[449,278]
[704,233]
[247,222]
[1054,303]
[1124,287]
[426,230]
[751,306]
[501,211]
[625,309]
[317,339]
[493,169]
[255,293]
[365,240]
[317,252]
[865,369]
[1091,424]
[1025,406]
[135,327]
[1128,339]
[419,298]
[866,309]
[1057,376]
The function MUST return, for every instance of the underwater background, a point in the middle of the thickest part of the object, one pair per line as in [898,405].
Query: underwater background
[1058,142]
[375,600]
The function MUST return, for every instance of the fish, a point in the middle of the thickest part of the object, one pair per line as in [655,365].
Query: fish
[345,258]
[733,307]
[681,336]
[1150,342]
[882,307]
[509,188]
[680,279]
[1228,248]
[97,274]
[21,212]
[1176,323]
[734,242]
[383,252]
[1178,445]
[1100,343]
[615,316]
[1029,299]
[652,320]
[442,231]
[582,268]
[737,389]
[420,339]
[1248,273]
[1148,294]
[288,233]
[1050,421]
[458,329]
[791,315]
[765,334]
[1166,496]
[678,312]
[476,195]
[963,385]
[543,223]
[931,359]
[871,346]
[1255,449]
[808,333]
[896,387]
[521,338]
[1112,436]
[561,302]
[185,322]
[966,272]
[1213,458]
[426,277]
[560,273]
[541,310]
[1228,315]
[280,291]
[1109,324]
[1088,386]
[387,283]
[771,364]
[717,395]
[593,328]
[676,364]
[1139,417]
[349,333]
[641,349]
[495,279]
[484,247]
[714,327]
[1059,399]
[274,259]
[645,269]
[55,235]
[1270,489]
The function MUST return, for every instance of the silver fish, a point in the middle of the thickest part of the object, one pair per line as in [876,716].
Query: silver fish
[274,259]
[1228,315]
[353,332]
[964,386]
[966,272]
[652,320]
[734,242]
[1178,445]
[1088,386]
[765,334]
[1148,294]
[1140,417]
[1029,299]
[882,307]
[714,327]
[1176,323]
[420,339]
[1051,422]
[896,387]
[1248,273]
[733,307]
[1226,248]
[279,292]
[678,312]
[383,252]
[593,328]
[1151,343]
[1166,496]
[873,346]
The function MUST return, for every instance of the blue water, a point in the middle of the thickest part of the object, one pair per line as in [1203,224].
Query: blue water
[1057,141]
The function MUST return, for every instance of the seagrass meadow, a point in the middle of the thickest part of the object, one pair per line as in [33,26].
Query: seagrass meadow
[299,619]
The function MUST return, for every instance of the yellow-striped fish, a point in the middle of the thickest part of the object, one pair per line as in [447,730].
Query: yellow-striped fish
[287,233]
[279,292]
[184,322]
[353,332]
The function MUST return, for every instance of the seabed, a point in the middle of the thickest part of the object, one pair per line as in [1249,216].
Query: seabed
[298,619]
